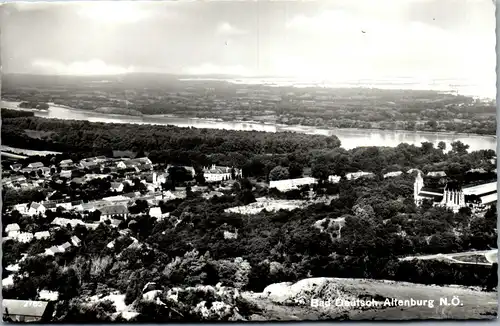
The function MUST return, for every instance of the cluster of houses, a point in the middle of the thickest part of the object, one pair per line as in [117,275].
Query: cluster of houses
[75,241]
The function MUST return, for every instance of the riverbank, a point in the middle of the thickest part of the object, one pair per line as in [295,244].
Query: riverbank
[117,112]
[350,137]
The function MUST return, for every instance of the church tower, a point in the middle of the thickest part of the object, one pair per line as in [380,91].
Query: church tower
[417,186]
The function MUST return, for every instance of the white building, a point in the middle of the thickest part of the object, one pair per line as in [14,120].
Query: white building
[334,178]
[24,237]
[12,230]
[357,175]
[52,251]
[22,208]
[117,186]
[76,241]
[392,174]
[66,163]
[42,235]
[117,199]
[66,174]
[35,165]
[47,295]
[36,208]
[219,173]
[155,212]
[66,206]
[158,179]
[109,212]
[290,184]
[436,174]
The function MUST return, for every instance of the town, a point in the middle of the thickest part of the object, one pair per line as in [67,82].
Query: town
[159,167]
[72,198]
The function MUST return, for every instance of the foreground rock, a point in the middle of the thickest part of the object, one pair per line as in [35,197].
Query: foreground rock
[358,299]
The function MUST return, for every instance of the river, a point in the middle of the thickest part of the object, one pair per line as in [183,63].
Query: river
[350,138]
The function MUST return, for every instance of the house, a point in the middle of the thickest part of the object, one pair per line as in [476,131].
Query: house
[230,235]
[16,167]
[27,310]
[65,221]
[76,241]
[24,237]
[8,281]
[393,174]
[99,159]
[158,179]
[65,246]
[143,167]
[52,251]
[66,174]
[334,178]
[66,205]
[357,175]
[42,235]
[93,176]
[35,165]
[143,160]
[219,173]
[49,205]
[45,171]
[36,208]
[88,165]
[128,164]
[290,184]
[14,268]
[155,212]
[66,163]
[117,186]
[114,210]
[47,295]
[12,230]
[436,174]
[21,208]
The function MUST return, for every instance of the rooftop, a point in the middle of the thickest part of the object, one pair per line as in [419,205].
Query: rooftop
[114,210]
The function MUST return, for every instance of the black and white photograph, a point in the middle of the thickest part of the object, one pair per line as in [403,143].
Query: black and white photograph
[248,161]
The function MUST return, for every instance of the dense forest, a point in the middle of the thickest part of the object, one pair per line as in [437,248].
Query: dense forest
[256,152]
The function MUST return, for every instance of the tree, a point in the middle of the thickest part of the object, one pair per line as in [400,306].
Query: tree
[427,147]
[459,148]
[432,124]
[279,173]
[295,170]
[179,174]
[442,145]
[320,171]
[247,197]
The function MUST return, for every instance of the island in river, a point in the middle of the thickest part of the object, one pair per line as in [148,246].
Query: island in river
[349,137]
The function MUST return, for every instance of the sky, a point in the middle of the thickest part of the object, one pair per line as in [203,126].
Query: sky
[331,40]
